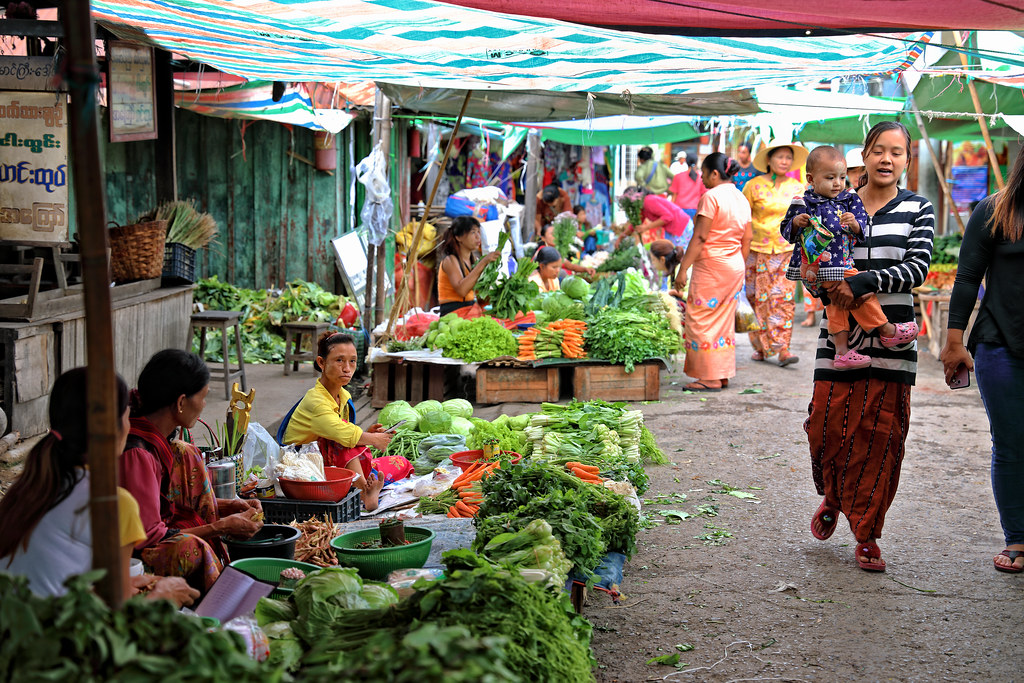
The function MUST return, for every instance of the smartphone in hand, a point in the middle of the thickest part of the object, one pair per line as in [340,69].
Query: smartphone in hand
[961,378]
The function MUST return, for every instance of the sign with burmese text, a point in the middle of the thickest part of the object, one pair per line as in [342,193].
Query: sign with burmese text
[130,95]
[33,167]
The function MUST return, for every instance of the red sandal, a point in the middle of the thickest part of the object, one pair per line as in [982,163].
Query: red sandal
[826,518]
[869,551]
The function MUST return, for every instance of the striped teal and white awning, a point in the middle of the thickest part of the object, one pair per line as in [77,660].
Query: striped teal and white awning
[428,44]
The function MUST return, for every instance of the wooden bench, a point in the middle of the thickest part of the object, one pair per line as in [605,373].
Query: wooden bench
[293,334]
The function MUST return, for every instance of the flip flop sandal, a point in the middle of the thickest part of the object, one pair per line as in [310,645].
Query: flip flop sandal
[905,333]
[700,386]
[869,551]
[826,518]
[757,356]
[1013,555]
[788,360]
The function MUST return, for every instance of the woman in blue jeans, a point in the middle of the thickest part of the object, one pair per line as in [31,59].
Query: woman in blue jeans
[993,249]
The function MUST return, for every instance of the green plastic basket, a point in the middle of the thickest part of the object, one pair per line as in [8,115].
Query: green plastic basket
[269,569]
[376,563]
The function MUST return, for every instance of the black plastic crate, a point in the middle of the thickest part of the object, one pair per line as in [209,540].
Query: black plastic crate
[284,510]
[179,264]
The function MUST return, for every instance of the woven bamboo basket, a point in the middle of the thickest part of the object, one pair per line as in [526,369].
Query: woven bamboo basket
[137,251]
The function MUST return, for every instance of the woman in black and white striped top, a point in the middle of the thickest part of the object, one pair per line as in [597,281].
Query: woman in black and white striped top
[859,418]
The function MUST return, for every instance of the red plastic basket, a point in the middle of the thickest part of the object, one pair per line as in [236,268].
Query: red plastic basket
[339,481]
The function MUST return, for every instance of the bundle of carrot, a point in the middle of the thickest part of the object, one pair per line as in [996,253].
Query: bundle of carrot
[467,485]
[572,338]
[560,339]
[587,473]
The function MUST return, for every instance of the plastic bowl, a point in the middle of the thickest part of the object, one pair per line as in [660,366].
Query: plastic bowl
[273,540]
[463,459]
[376,563]
[337,486]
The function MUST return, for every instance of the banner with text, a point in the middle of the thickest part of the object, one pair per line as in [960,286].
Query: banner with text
[33,167]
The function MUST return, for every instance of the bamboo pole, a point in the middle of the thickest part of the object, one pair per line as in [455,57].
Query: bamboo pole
[402,288]
[84,80]
[371,249]
[981,116]
[938,171]
[385,138]
[533,188]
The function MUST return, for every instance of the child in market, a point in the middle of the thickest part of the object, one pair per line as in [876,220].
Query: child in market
[825,224]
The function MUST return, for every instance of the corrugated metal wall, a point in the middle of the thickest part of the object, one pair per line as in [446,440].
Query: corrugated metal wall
[276,213]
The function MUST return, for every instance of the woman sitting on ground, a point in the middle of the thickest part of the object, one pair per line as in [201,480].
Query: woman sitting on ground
[322,416]
[182,519]
[45,528]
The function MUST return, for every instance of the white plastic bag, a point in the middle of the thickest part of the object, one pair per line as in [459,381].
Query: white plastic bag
[259,447]
[372,172]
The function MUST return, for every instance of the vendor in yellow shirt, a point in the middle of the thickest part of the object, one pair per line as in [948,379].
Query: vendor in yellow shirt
[45,527]
[322,416]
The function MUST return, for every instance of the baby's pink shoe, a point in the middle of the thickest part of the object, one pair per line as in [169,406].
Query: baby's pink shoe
[851,361]
[905,333]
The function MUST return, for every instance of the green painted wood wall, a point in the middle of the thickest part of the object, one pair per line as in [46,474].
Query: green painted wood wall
[276,214]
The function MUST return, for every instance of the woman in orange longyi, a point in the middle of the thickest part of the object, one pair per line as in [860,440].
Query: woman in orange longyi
[322,416]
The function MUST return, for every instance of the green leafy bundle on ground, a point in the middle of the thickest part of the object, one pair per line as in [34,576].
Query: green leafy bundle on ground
[76,637]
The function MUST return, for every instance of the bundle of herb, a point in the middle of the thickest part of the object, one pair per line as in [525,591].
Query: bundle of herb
[565,227]
[630,337]
[76,637]
[516,292]
[186,224]
[627,255]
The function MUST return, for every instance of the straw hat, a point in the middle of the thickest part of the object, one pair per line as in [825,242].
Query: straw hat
[799,155]
[854,158]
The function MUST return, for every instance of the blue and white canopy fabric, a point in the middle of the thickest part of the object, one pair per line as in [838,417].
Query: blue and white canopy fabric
[254,100]
[428,44]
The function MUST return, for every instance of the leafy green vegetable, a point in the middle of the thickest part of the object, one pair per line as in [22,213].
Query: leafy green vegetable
[628,337]
[649,450]
[458,407]
[626,256]
[269,611]
[946,248]
[513,294]
[532,548]
[481,339]
[508,438]
[76,637]
[565,227]
[322,597]
[576,287]
[436,422]
[395,412]
[424,407]
[461,426]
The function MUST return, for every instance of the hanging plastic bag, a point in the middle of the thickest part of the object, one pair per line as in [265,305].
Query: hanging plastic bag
[372,172]
[746,319]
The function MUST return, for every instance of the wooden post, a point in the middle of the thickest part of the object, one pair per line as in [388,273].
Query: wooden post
[981,115]
[532,183]
[384,114]
[166,171]
[935,160]
[91,212]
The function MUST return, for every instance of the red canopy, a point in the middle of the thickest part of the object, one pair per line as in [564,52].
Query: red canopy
[769,17]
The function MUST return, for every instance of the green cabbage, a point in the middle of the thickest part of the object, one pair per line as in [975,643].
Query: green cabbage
[395,412]
[436,422]
[576,287]
[324,596]
[458,407]
[424,407]
[269,611]
[379,595]
[461,425]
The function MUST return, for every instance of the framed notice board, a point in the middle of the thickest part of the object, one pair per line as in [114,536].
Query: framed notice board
[131,98]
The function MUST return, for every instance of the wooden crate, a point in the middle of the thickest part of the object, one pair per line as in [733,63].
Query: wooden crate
[611,383]
[516,385]
[408,381]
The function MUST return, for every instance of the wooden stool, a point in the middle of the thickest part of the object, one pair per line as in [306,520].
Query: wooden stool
[222,320]
[293,353]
